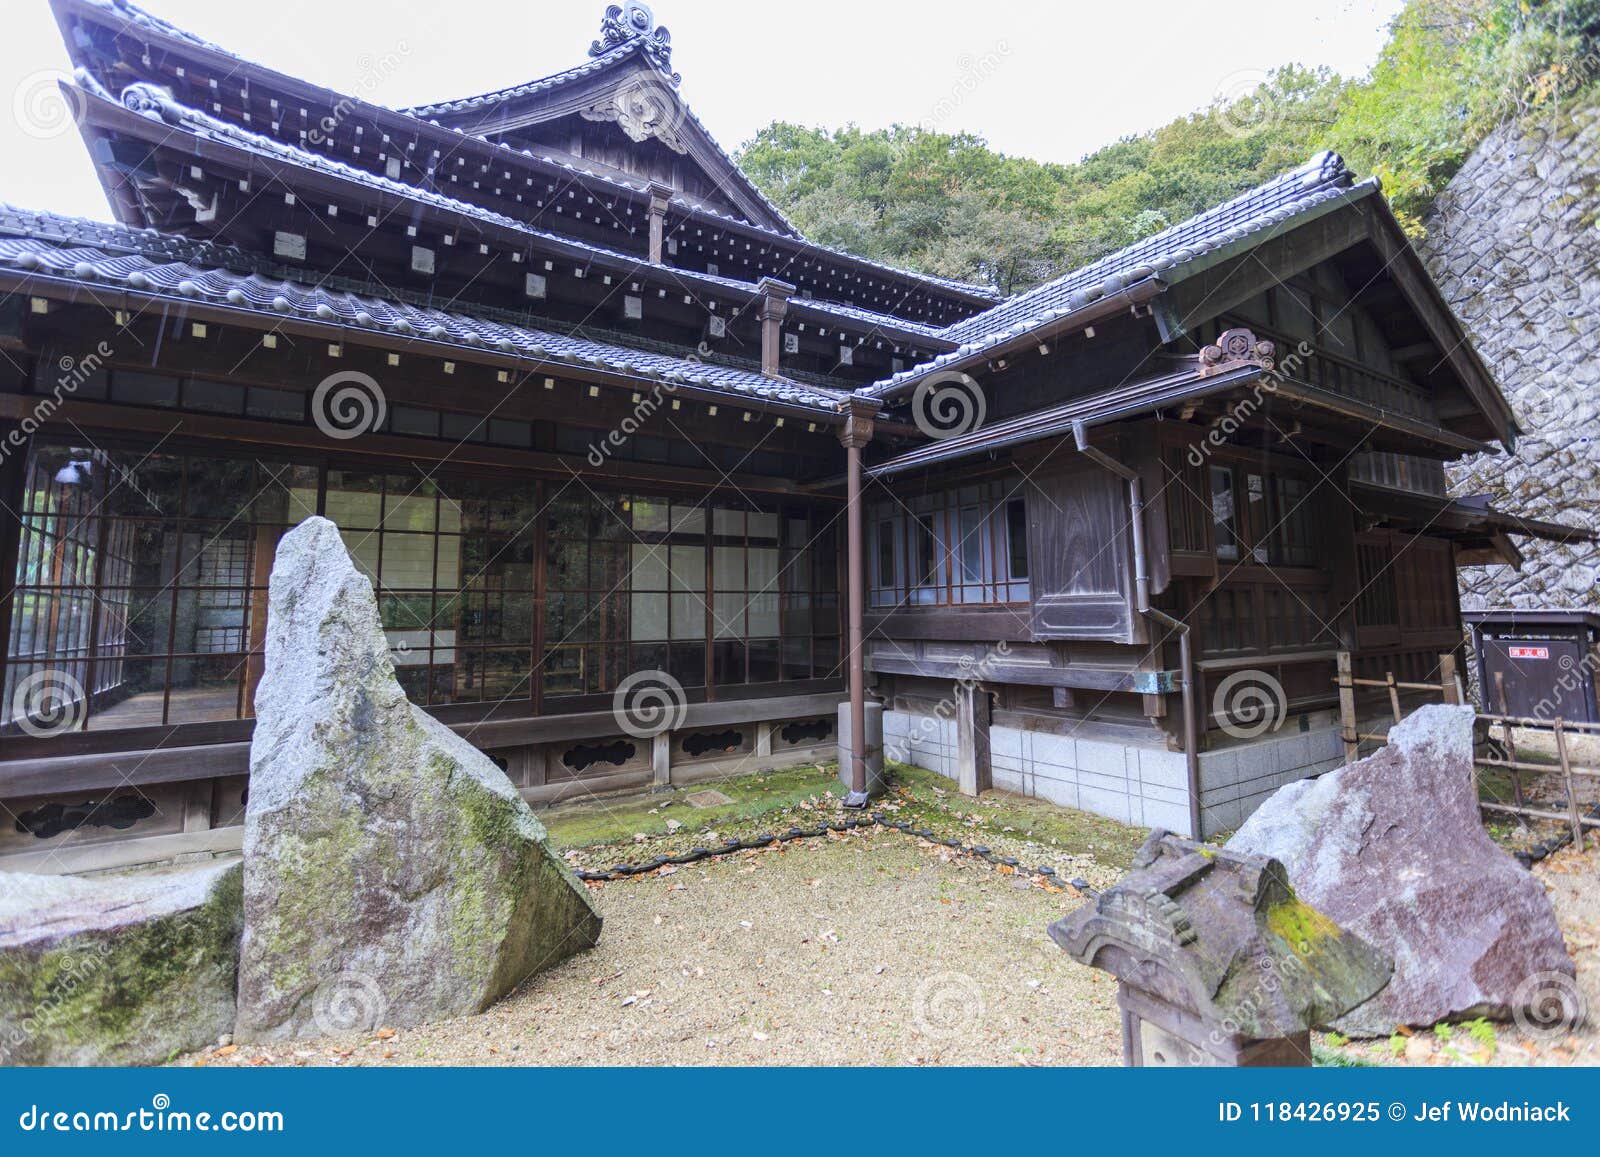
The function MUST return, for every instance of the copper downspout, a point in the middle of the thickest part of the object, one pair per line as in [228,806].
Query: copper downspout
[1141,582]
[855,434]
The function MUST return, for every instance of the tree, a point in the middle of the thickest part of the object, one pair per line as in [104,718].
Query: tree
[947,204]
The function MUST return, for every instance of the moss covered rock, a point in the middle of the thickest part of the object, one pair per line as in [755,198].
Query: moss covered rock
[117,971]
[1393,848]
[393,874]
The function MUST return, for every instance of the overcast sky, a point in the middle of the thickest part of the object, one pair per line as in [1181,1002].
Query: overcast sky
[1045,80]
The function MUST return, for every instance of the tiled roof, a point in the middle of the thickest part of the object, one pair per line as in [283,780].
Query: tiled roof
[512,92]
[94,254]
[589,68]
[688,205]
[158,104]
[1321,184]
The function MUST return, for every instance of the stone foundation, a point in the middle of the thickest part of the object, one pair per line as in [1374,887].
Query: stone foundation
[1132,783]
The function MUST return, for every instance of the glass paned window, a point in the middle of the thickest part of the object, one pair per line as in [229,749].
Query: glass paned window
[968,545]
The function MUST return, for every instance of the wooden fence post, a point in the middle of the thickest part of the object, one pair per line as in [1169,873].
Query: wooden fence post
[1394,695]
[1449,682]
[1347,709]
[1509,741]
[1573,814]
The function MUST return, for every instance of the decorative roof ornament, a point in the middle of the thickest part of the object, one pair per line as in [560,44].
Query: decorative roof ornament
[644,107]
[632,21]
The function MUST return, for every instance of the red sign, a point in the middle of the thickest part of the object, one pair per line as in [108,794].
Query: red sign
[1529,652]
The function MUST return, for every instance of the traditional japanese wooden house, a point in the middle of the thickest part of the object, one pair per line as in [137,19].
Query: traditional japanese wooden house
[587,408]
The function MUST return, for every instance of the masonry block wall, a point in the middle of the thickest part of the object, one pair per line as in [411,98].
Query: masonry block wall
[1132,783]
[1514,246]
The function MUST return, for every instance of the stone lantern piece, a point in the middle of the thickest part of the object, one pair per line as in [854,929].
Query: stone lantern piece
[1217,962]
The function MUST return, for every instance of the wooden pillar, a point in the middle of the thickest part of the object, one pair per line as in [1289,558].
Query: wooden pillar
[197,805]
[775,296]
[15,445]
[661,759]
[855,434]
[526,766]
[1347,709]
[764,739]
[660,198]
[974,772]
[1449,681]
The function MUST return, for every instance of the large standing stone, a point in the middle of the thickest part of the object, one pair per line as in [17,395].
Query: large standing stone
[1393,849]
[117,971]
[393,875]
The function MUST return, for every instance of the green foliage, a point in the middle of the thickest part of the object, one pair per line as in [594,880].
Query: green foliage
[949,205]
[1483,1033]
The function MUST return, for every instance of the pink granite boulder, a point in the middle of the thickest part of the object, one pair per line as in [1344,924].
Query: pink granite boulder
[1393,849]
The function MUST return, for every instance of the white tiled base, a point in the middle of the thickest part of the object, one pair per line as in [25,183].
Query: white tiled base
[1139,785]
[1134,785]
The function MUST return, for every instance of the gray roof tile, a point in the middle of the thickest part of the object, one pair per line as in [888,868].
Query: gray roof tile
[1169,255]
[91,253]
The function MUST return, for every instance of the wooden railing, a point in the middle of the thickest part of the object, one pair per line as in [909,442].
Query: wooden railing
[1449,687]
[1573,814]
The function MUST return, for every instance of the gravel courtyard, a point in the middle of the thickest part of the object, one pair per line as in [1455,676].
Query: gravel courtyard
[868,947]
[864,950]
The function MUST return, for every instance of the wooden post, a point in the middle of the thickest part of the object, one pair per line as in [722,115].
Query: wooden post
[660,202]
[1448,681]
[197,802]
[1347,710]
[661,759]
[854,436]
[764,739]
[1510,743]
[1394,695]
[974,771]
[1573,814]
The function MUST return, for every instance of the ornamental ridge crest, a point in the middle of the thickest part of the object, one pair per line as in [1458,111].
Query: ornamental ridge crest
[632,21]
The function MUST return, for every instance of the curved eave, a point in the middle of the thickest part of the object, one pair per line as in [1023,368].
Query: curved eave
[273,160]
[226,62]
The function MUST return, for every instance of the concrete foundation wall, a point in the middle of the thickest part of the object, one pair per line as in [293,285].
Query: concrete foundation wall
[1131,783]
[1234,781]
[1144,786]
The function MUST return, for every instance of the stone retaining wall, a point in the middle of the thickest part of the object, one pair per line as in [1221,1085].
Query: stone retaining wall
[1514,246]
